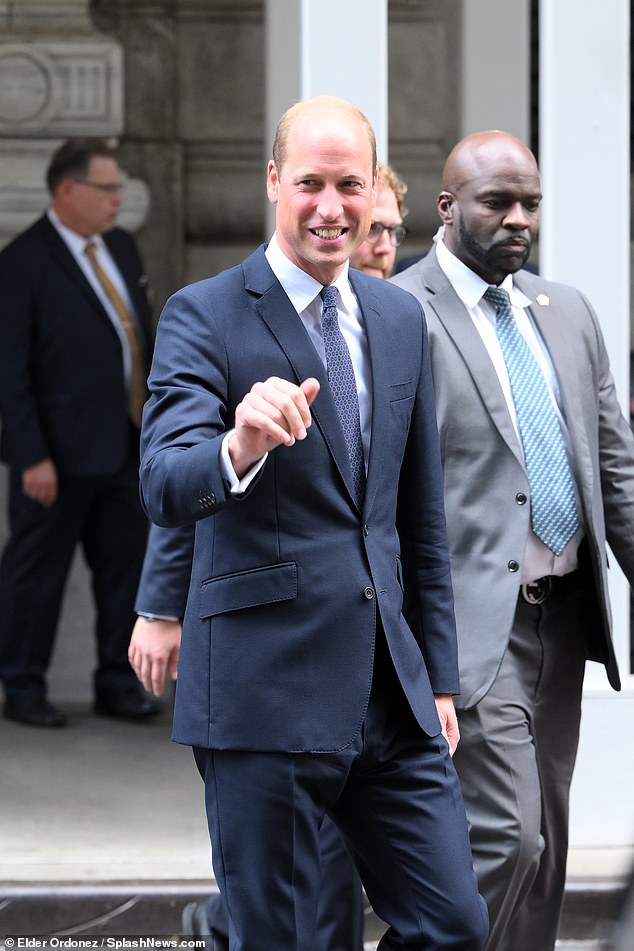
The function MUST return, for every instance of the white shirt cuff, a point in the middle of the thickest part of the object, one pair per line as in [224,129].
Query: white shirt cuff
[237,486]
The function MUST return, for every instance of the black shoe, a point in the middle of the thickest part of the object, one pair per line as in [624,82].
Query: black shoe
[34,711]
[194,924]
[127,703]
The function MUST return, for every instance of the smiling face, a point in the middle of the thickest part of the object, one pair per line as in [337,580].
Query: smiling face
[323,189]
[490,204]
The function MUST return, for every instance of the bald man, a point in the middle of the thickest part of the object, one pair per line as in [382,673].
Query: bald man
[291,417]
[537,478]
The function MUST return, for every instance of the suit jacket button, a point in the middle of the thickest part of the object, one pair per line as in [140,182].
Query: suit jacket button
[366,531]
[513,565]
[521,498]
[368,593]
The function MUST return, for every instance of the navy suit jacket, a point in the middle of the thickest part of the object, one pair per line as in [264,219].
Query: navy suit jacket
[166,572]
[62,389]
[289,580]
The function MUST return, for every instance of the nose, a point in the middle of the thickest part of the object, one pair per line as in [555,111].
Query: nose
[384,244]
[516,217]
[329,207]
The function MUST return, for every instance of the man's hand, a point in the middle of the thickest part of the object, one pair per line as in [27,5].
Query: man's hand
[39,482]
[153,652]
[448,720]
[272,413]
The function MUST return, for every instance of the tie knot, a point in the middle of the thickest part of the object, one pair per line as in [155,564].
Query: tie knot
[90,250]
[497,296]
[329,296]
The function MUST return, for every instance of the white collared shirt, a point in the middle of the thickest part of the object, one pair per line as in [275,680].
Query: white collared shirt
[303,292]
[470,288]
[76,244]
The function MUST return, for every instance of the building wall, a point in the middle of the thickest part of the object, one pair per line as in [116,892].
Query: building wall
[190,76]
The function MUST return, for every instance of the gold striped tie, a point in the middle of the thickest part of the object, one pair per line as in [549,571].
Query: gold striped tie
[138,374]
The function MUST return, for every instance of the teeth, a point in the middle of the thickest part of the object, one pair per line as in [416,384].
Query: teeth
[328,233]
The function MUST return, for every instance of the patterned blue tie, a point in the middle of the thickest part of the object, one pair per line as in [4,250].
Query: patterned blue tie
[553,504]
[343,387]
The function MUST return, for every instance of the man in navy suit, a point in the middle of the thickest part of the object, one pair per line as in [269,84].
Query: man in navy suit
[155,641]
[75,328]
[301,687]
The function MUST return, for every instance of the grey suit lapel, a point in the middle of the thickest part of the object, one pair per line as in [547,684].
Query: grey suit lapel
[452,315]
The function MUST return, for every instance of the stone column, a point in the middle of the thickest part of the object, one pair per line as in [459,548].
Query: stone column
[495,66]
[585,164]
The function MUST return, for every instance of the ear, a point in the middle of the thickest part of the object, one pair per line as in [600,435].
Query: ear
[272,183]
[445,205]
[65,189]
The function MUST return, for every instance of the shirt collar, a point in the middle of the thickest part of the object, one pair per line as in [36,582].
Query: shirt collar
[468,285]
[76,242]
[301,289]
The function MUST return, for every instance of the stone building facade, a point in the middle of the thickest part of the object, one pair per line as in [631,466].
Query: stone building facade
[180,84]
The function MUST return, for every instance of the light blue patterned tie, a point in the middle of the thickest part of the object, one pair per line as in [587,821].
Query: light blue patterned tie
[343,387]
[553,504]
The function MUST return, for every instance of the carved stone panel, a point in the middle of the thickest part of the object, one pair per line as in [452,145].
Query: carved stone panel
[61,88]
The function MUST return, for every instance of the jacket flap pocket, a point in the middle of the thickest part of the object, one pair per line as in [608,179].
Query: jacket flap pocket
[246,589]
[402,391]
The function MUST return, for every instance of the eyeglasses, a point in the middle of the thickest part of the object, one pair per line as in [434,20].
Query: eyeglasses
[108,188]
[397,233]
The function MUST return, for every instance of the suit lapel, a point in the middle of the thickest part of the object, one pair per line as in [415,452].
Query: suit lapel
[134,286]
[451,313]
[277,312]
[380,382]
[68,263]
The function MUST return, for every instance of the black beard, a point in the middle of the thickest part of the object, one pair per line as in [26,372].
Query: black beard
[488,258]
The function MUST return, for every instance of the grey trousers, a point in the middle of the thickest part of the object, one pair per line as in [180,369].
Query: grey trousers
[515,760]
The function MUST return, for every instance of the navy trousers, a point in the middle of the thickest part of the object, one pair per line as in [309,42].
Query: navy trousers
[394,795]
[340,906]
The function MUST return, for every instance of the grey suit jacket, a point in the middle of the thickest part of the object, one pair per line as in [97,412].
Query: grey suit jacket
[485,479]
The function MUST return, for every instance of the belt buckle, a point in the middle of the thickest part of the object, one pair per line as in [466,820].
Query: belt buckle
[536,592]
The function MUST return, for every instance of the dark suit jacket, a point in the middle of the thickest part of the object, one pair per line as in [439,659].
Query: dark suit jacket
[485,479]
[288,579]
[166,572]
[62,392]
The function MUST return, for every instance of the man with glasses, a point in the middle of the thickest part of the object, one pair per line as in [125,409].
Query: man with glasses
[75,326]
[387,232]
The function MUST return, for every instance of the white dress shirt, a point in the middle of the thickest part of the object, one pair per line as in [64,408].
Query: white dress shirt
[303,292]
[76,244]
[470,288]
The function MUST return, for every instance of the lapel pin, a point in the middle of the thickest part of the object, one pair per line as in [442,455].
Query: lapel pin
[543,300]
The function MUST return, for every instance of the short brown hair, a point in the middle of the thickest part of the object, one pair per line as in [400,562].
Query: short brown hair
[73,158]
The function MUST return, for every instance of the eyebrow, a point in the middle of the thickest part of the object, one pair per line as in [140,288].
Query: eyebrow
[506,193]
